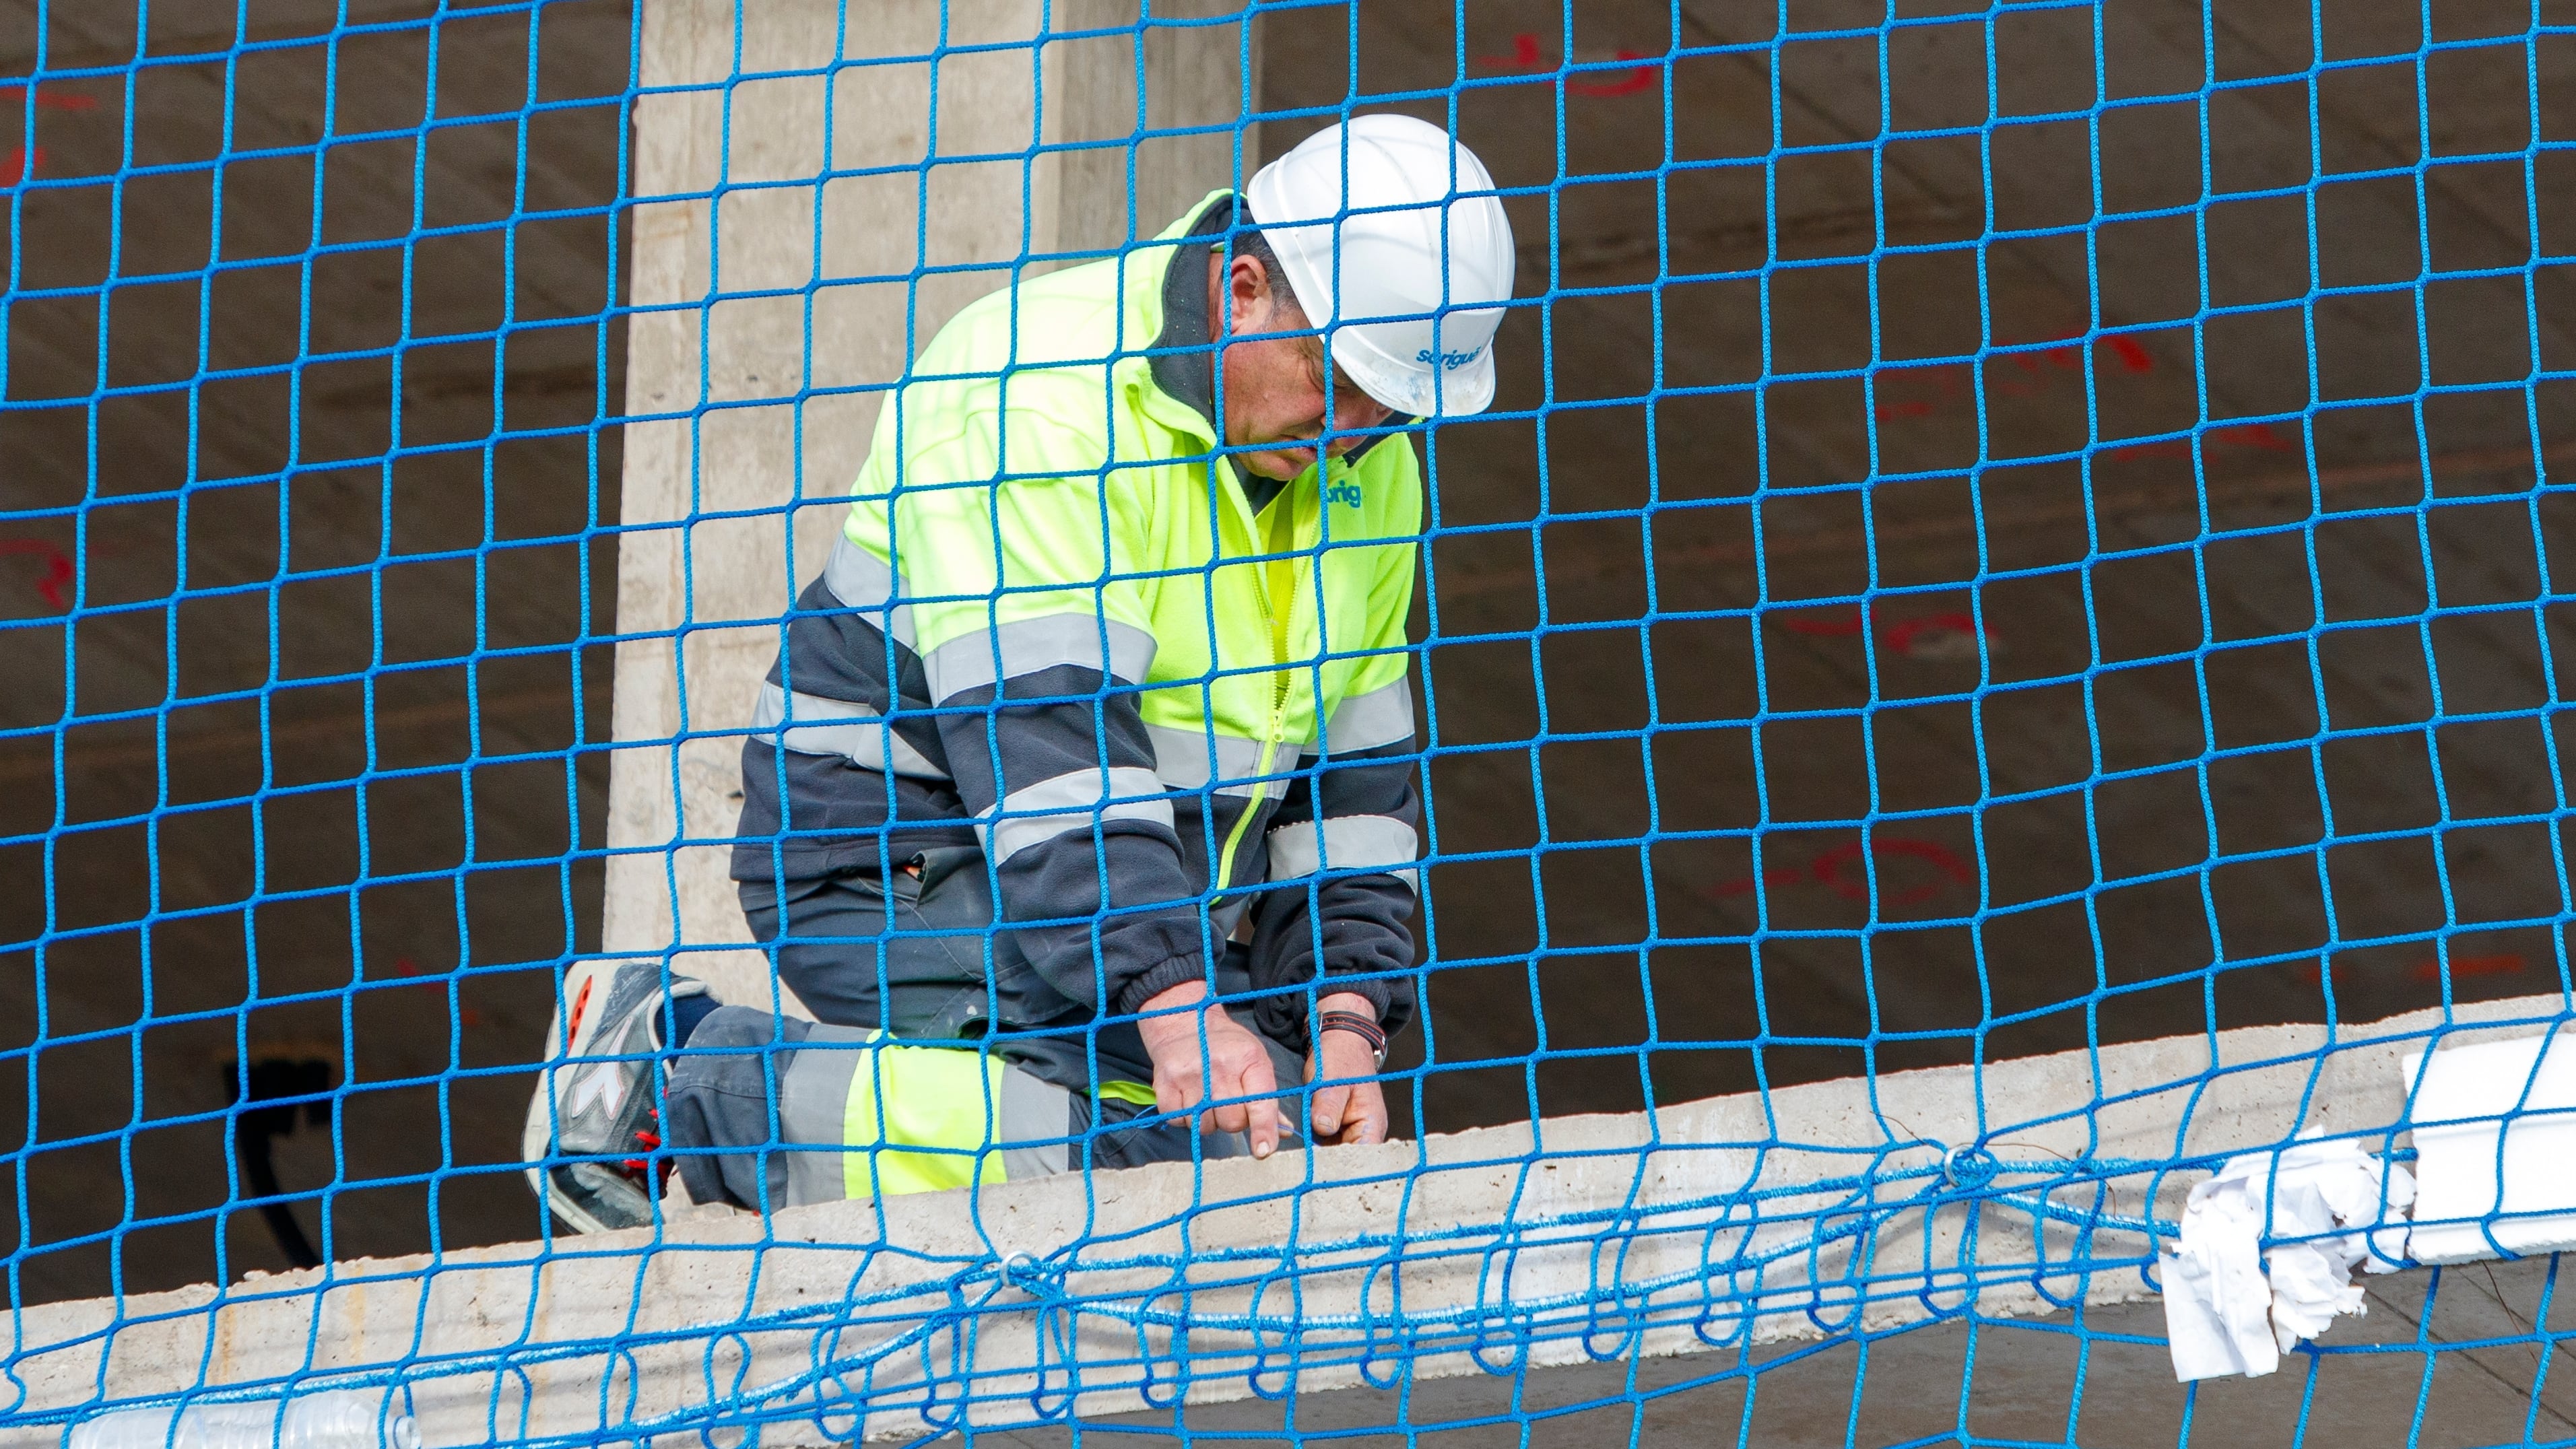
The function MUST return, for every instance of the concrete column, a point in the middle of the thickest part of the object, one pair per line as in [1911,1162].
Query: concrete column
[797,181]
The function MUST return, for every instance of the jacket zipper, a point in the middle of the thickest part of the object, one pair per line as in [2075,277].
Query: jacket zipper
[1279,581]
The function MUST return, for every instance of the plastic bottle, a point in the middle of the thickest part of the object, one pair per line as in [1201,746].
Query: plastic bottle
[348,1419]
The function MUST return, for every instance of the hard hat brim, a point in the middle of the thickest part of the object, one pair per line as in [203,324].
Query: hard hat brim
[1415,389]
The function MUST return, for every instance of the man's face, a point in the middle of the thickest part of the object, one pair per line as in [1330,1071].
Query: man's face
[1276,387]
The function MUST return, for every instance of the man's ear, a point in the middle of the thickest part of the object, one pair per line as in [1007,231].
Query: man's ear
[1252,296]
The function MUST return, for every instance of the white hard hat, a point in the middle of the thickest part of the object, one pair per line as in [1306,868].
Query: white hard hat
[1391,235]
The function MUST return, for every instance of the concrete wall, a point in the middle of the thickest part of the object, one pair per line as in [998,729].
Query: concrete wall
[1758,1218]
[790,290]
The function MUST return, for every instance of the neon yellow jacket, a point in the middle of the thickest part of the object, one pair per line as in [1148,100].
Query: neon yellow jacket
[1056,619]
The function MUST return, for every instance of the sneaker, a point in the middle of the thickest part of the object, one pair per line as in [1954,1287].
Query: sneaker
[602,1109]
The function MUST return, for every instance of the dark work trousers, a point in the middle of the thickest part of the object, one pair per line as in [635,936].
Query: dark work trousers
[919,957]
[940,975]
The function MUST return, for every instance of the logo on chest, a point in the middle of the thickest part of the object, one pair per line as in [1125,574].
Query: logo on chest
[1348,493]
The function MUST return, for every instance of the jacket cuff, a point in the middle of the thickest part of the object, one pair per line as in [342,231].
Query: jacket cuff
[1380,996]
[1155,980]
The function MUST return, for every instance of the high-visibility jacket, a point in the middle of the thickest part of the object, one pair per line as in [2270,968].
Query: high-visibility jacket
[1056,628]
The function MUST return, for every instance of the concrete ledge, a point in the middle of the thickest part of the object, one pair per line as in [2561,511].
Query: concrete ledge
[1761,1217]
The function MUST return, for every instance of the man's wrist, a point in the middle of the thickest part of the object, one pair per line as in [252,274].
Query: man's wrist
[1172,998]
[1171,1015]
[1351,1014]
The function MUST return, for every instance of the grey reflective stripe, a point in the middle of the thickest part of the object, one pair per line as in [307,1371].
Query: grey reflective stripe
[861,580]
[1181,759]
[813,1097]
[1381,717]
[1026,646]
[810,724]
[1344,842]
[1073,801]
[1036,1127]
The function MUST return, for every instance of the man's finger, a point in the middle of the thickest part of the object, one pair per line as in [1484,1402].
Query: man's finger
[1259,1082]
[1227,1118]
[1264,1127]
[1329,1109]
[1227,1087]
[1364,1118]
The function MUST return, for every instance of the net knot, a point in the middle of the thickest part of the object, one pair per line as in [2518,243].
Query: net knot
[1969,1169]
[1021,1269]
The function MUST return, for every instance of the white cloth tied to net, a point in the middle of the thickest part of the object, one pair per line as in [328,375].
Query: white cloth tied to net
[2223,1315]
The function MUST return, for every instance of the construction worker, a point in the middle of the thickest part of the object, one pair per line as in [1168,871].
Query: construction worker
[1111,656]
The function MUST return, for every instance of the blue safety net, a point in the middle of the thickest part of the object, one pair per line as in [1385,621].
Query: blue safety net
[1998,647]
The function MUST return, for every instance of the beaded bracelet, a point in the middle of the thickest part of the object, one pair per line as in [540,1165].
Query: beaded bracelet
[1365,1028]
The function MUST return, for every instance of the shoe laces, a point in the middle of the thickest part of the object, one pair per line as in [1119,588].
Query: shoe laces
[649,1140]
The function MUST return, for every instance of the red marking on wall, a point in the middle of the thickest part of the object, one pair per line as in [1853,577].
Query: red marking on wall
[21,163]
[47,100]
[1945,635]
[1829,870]
[2028,376]
[405,966]
[1525,59]
[58,567]
[2504,963]
[2265,437]
[1951,380]
[2256,437]
[1745,886]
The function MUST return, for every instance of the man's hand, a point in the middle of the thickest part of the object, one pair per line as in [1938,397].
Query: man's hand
[1353,1107]
[1235,1064]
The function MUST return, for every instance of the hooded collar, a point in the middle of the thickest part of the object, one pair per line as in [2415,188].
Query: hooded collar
[1184,361]
[1184,358]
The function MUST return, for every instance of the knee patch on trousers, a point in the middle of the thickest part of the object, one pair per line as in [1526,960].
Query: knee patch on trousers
[860,1115]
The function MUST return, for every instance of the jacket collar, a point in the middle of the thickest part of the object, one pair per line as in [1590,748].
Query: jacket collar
[1184,361]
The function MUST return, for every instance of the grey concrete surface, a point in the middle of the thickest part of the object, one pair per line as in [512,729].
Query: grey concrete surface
[420,954]
[1544,1243]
